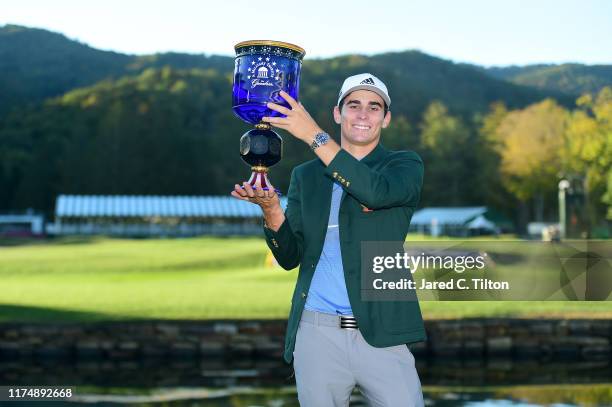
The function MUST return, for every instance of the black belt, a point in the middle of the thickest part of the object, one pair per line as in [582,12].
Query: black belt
[348,322]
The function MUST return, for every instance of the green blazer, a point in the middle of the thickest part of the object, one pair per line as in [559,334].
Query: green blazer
[386,182]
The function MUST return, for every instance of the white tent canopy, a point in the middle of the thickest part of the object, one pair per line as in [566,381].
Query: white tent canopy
[97,206]
[481,223]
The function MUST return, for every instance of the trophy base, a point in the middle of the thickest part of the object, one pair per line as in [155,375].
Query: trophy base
[259,179]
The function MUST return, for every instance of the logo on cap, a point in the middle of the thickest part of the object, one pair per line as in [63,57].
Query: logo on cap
[368,81]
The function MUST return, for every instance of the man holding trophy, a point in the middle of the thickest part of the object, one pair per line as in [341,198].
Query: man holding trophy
[350,193]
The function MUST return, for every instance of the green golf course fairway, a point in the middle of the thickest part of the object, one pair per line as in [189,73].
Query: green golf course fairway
[100,279]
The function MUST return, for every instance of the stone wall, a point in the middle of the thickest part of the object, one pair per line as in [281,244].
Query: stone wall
[464,338]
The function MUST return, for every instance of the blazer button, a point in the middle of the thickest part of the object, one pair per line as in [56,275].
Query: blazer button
[303,295]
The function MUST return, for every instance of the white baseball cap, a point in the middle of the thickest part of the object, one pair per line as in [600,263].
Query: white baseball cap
[364,81]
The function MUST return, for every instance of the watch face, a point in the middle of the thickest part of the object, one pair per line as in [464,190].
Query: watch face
[322,138]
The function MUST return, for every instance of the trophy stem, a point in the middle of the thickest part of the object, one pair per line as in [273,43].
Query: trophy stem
[261,148]
[259,178]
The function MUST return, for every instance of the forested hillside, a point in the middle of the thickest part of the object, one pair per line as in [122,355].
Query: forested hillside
[75,120]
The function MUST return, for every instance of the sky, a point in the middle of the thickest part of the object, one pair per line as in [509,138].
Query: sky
[488,33]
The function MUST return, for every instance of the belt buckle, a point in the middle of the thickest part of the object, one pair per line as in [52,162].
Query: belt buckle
[348,322]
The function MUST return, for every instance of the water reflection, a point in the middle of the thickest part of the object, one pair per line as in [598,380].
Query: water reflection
[446,383]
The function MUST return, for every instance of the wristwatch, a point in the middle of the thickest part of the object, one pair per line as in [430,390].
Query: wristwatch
[319,140]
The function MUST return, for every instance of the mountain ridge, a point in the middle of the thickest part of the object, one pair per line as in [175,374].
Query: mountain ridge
[36,64]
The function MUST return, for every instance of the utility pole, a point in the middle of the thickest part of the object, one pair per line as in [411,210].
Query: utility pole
[563,187]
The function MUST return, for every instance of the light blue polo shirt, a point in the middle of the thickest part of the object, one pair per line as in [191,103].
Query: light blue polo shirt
[328,289]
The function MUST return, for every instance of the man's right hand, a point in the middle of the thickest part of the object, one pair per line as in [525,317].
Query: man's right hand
[268,201]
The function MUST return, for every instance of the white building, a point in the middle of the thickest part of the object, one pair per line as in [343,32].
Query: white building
[22,225]
[453,221]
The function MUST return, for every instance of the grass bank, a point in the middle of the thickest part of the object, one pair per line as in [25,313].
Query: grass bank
[96,279]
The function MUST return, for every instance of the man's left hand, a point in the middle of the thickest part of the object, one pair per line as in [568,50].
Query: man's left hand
[298,121]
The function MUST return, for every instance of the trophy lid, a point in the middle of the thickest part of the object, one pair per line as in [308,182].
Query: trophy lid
[286,45]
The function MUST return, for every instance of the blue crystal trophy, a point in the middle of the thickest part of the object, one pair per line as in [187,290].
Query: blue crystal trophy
[262,69]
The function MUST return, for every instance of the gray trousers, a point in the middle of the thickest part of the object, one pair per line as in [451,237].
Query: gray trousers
[329,361]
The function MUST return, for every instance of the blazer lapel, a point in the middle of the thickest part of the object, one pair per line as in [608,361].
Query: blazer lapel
[323,203]
[319,203]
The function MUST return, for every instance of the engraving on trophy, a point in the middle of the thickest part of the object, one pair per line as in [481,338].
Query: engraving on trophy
[261,73]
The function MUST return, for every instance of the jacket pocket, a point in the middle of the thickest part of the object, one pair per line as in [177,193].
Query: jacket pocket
[372,214]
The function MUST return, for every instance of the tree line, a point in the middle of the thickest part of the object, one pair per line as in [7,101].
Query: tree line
[172,132]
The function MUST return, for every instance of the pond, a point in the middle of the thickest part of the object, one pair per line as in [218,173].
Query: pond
[242,383]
